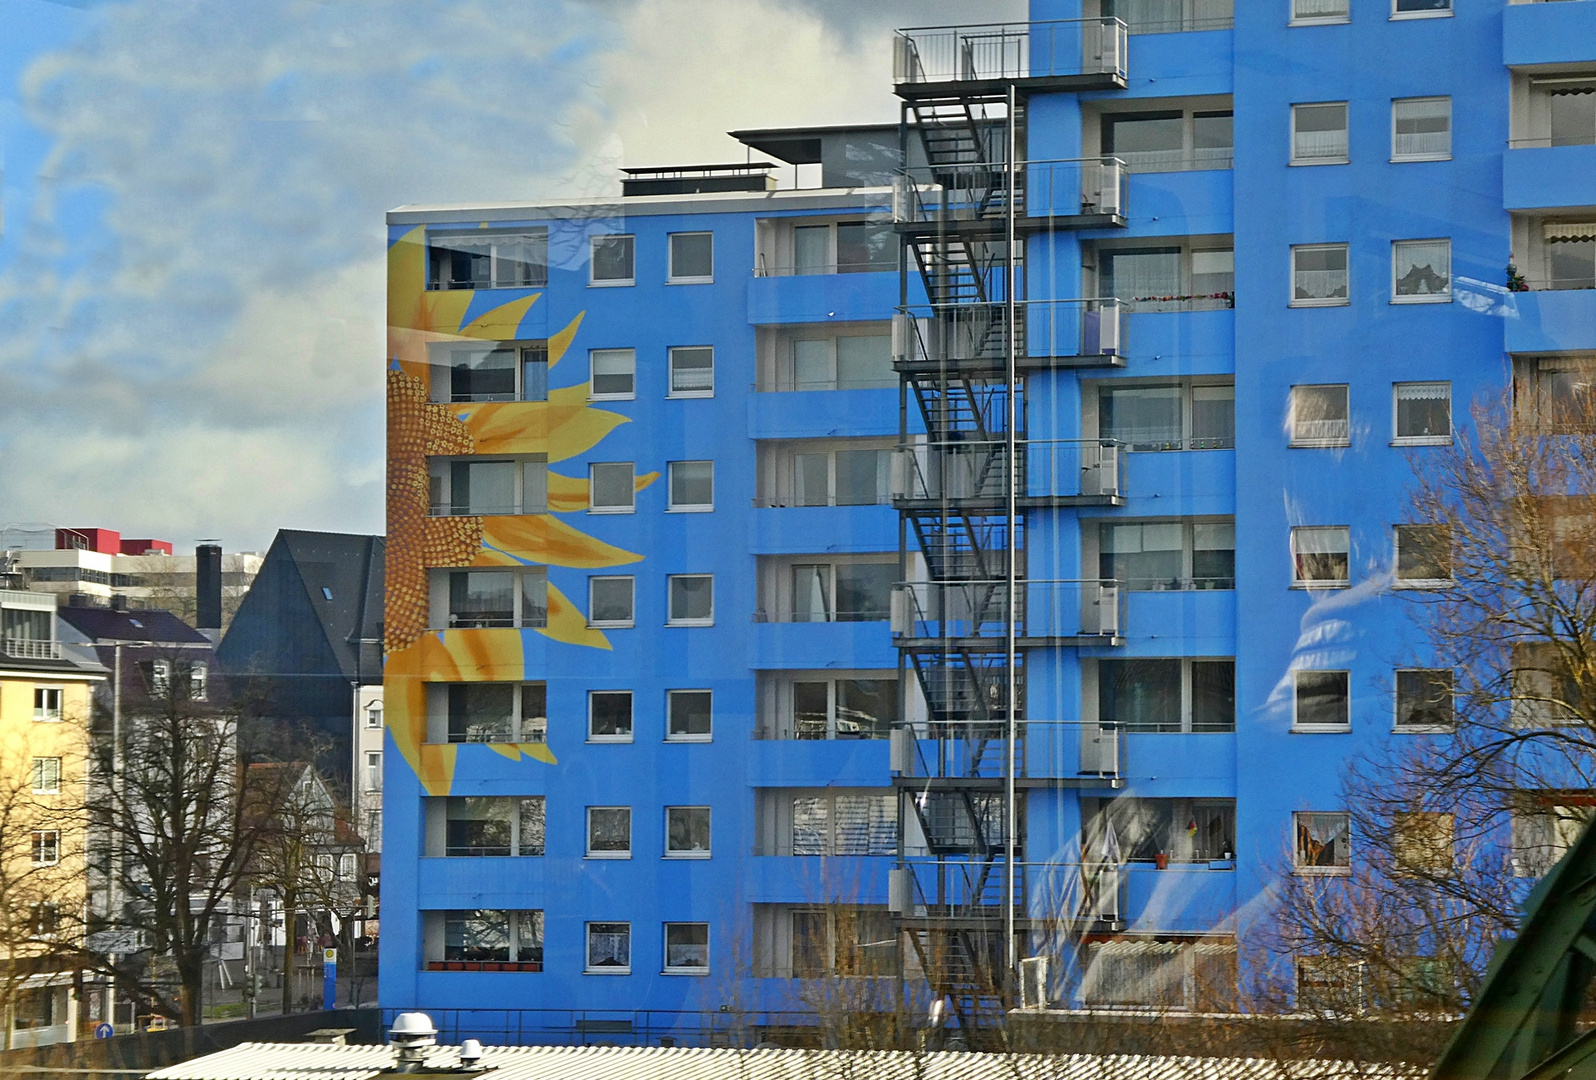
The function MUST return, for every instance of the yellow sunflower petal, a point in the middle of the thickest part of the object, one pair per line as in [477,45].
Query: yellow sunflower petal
[561,427]
[567,494]
[501,323]
[569,625]
[540,752]
[471,656]
[543,538]
[561,341]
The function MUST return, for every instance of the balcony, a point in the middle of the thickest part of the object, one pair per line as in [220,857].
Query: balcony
[970,890]
[775,297]
[975,475]
[779,530]
[815,414]
[1057,55]
[972,754]
[975,614]
[1538,175]
[21,648]
[1548,33]
[1085,193]
[1547,322]
[973,339]
[816,762]
[817,645]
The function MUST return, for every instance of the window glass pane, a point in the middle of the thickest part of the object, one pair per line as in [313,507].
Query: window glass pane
[1143,695]
[692,371]
[687,945]
[1422,267]
[1573,118]
[1213,696]
[479,598]
[1142,556]
[459,262]
[609,829]
[1213,417]
[529,937]
[1424,553]
[1319,415]
[609,945]
[687,829]
[1142,417]
[535,374]
[810,831]
[613,486]
[1424,699]
[1213,273]
[480,712]
[1213,140]
[1320,554]
[534,597]
[1421,127]
[810,945]
[477,374]
[610,714]
[811,479]
[534,487]
[476,935]
[810,708]
[864,246]
[866,708]
[612,258]
[1322,699]
[861,477]
[482,487]
[1319,272]
[1319,9]
[1423,5]
[1319,132]
[1146,142]
[811,365]
[613,371]
[692,255]
[1213,556]
[1141,275]
[864,591]
[534,712]
[477,826]
[866,825]
[1324,840]
[811,593]
[610,600]
[691,598]
[689,712]
[692,484]
[865,361]
[812,249]
[1571,263]
[521,261]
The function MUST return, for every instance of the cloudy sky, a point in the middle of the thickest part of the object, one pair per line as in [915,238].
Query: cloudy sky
[191,262]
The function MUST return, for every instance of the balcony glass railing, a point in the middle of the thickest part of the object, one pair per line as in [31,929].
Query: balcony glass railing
[993,51]
[980,192]
[980,332]
[965,469]
[1185,159]
[1053,749]
[980,609]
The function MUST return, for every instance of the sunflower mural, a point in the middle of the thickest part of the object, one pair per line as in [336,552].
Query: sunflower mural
[560,428]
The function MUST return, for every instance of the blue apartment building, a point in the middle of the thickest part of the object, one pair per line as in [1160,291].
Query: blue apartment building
[984,557]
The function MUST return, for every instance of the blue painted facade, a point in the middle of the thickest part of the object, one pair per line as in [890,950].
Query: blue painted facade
[1480,196]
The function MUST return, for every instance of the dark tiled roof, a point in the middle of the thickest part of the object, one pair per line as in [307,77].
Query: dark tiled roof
[148,625]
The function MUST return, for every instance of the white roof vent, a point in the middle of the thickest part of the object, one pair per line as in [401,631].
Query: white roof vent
[411,1035]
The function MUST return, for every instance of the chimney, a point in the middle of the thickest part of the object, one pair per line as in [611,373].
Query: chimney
[208,587]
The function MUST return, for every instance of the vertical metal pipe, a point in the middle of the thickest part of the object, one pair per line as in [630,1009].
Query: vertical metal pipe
[1010,645]
[113,900]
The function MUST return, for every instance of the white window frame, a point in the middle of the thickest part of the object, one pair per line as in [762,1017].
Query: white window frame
[440,358]
[670,372]
[41,776]
[43,711]
[1398,439]
[671,276]
[629,507]
[1397,16]
[1299,725]
[1346,112]
[587,948]
[518,730]
[1396,703]
[593,393]
[611,624]
[1396,558]
[439,579]
[1299,442]
[160,677]
[674,507]
[670,583]
[1323,301]
[374,714]
[45,847]
[688,853]
[667,969]
[1344,16]
[373,770]
[1397,157]
[1316,583]
[593,242]
[689,737]
[592,854]
[1432,298]
[632,728]
[1320,871]
[533,468]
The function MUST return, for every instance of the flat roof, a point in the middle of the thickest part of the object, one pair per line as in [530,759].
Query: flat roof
[800,146]
[718,202]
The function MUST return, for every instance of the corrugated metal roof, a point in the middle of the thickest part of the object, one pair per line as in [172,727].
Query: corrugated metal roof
[316,1061]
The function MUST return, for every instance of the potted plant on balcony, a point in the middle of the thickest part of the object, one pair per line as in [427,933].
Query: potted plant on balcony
[1161,860]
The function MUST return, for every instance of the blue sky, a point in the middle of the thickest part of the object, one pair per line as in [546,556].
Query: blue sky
[191,265]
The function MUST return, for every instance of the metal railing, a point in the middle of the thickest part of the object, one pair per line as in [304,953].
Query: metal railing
[931,610]
[1051,749]
[829,615]
[730,1027]
[1219,300]
[994,51]
[979,332]
[980,192]
[965,469]
[781,500]
[30,649]
[972,886]
[1558,284]
[484,510]
[763,269]
[1537,142]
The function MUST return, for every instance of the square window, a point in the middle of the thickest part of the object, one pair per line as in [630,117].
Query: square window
[613,260]
[609,832]
[609,716]
[692,600]
[611,601]
[609,948]
[1322,699]
[687,832]
[1423,413]
[1320,556]
[1421,271]
[692,371]
[1320,416]
[1319,134]
[1324,842]
[688,715]
[1421,129]
[614,374]
[47,704]
[1424,700]
[46,775]
[46,847]
[692,257]
[1423,554]
[687,948]
[692,485]
[1312,11]
[612,487]
[1414,9]
[1319,275]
